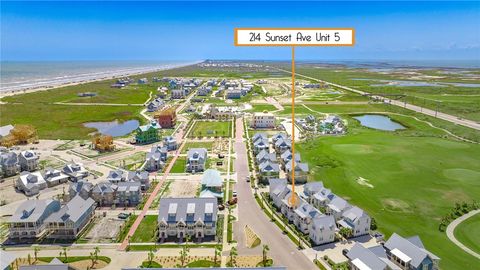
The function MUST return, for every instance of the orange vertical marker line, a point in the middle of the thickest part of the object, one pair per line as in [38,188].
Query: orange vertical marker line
[292,199]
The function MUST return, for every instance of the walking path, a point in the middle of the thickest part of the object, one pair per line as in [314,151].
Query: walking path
[451,228]
[436,114]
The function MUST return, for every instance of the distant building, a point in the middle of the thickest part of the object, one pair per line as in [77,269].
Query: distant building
[31,183]
[9,164]
[167,118]
[54,177]
[139,176]
[148,133]
[156,158]
[263,120]
[143,81]
[196,160]
[155,105]
[179,217]
[178,94]
[233,94]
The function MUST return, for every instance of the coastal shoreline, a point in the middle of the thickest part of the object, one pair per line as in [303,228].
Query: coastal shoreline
[102,77]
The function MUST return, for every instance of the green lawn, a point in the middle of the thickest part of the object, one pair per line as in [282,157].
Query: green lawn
[211,129]
[146,231]
[203,263]
[179,166]
[417,176]
[190,145]
[62,121]
[262,107]
[468,232]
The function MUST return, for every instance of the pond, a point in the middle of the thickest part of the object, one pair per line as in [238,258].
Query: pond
[114,128]
[380,122]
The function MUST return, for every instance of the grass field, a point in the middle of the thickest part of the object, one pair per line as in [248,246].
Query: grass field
[146,230]
[468,232]
[190,145]
[262,107]
[179,166]
[416,175]
[63,121]
[211,129]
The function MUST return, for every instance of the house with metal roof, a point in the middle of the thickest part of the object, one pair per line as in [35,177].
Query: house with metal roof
[322,198]
[54,264]
[303,216]
[301,172]
[54,177]
[356,220]
[139,176]
[375,258]
[28,221]
[9,164]
[71,219]
[83,188]
[116,176]
[156,158]
[104,193]
[309,189]
[259,135]
[196,217]
[410,253]
[322,229]
[7,260]
[196,160]
[128,193]
[336,207]
[75,171]
[155,105]
[28,161]
[265,155]
[282,145]
[170,142]
[30,183]
[287,208]
[147,133]
[260,144]
[277,190]
[278,136]
[269,169]
[215,268]
[286,156]
[212,184]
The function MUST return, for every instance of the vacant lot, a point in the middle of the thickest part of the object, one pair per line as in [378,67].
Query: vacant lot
[203,144]
[407,180]
[211,129]
[468,232]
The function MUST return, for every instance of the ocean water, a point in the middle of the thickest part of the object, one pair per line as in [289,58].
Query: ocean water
[17,76]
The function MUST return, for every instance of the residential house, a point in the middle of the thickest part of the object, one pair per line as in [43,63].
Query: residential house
[336,207]
[360,257]
[167,118]
[170,142]
[178,94]
[303,216]
[28,161]
[104,193]
[233,94]
[260,144]
[54,177]
[289,205]
[278,136]
[155,105]
[322,230]
[31,183]
[196,160]
[282,145]
[410,253]
[128,193]
[286,157]
[301,172]
[322,198]
[141,177]
[356,220]
[196,217]
[259,135]
[116,176]
[75,171]
[277,190]
[71,219]
[148,133]
[269,169]
[264,155]
[143,81]
[310,189]
[28,221]
[156,158]
[9,164]
[212,185]
[263,120]
[81,188]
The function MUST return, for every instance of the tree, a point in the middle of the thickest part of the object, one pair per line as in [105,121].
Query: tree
[29,258]
[346,232]
[373,224]
[218,252]
[183,255]
[96,251]
[265,250]
[233,256]
[35,253]
[151,256]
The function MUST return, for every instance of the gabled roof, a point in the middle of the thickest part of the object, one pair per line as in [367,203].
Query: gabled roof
[32,210]
[323,222]
[81,185]
[206,193]
[72,211]
[276,184]
[9,158]
[259,135]
[151,125]
[417,253]
[129,186]
[307,210]
[116,175]
[173,210]
[104,188]
[299,166]
[338,204]
[137,175]
[212,178]
[268,166]
[197,153]
[354,213]
[359,253]
[311,188]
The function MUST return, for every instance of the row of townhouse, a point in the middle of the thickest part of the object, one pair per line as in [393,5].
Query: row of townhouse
[179,217]
[157,157]
[12,163]
[32,182]
[309,219]
[397,253]
[49,218]
[270,163]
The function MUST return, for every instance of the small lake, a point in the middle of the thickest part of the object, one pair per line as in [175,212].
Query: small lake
[114,128]
[380,122]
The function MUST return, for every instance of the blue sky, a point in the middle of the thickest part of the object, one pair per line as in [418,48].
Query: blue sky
[204,30]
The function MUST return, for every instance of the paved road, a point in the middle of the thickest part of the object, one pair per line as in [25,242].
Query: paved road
[451,228]
[444,116]
[282,250]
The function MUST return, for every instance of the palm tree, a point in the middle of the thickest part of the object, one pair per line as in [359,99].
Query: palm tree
[64,253]
[218,252]
[183,255]
[96,251]
[265,250]
[233,256]
[151,256]
[35,253]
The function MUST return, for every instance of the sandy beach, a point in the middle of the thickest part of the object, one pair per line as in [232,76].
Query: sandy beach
[48,84]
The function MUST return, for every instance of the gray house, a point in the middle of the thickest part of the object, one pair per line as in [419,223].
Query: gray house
[128,193]
[322,229]
[360,257]
[282,145]
[116,176]
[81,188]
[410,253]
[54,177]
[28,221]
[75,171]
[269,169]
[156,158]
[264,155]
[170,142]
[104,193]
[260,144]
[336,207]
[356,220]
[71,219]
[30,183]
[28,161]
[141,177]
[301,172]
[9,163]
[196,160]
[178,217]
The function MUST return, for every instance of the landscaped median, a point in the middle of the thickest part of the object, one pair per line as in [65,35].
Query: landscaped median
[79,262]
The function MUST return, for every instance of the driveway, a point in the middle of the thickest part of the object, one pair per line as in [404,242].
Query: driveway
[282,250]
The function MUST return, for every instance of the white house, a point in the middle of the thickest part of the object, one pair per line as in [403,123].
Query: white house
[322,229]
[336,207]
[75,171]
[31,183]
[410,253]
[54,177]
[357,220]
[304,215]
[263,120]
[28,221]
[28,161]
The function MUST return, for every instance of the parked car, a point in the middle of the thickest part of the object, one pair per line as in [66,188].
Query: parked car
[123,215]
[247,178]
[234,194]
